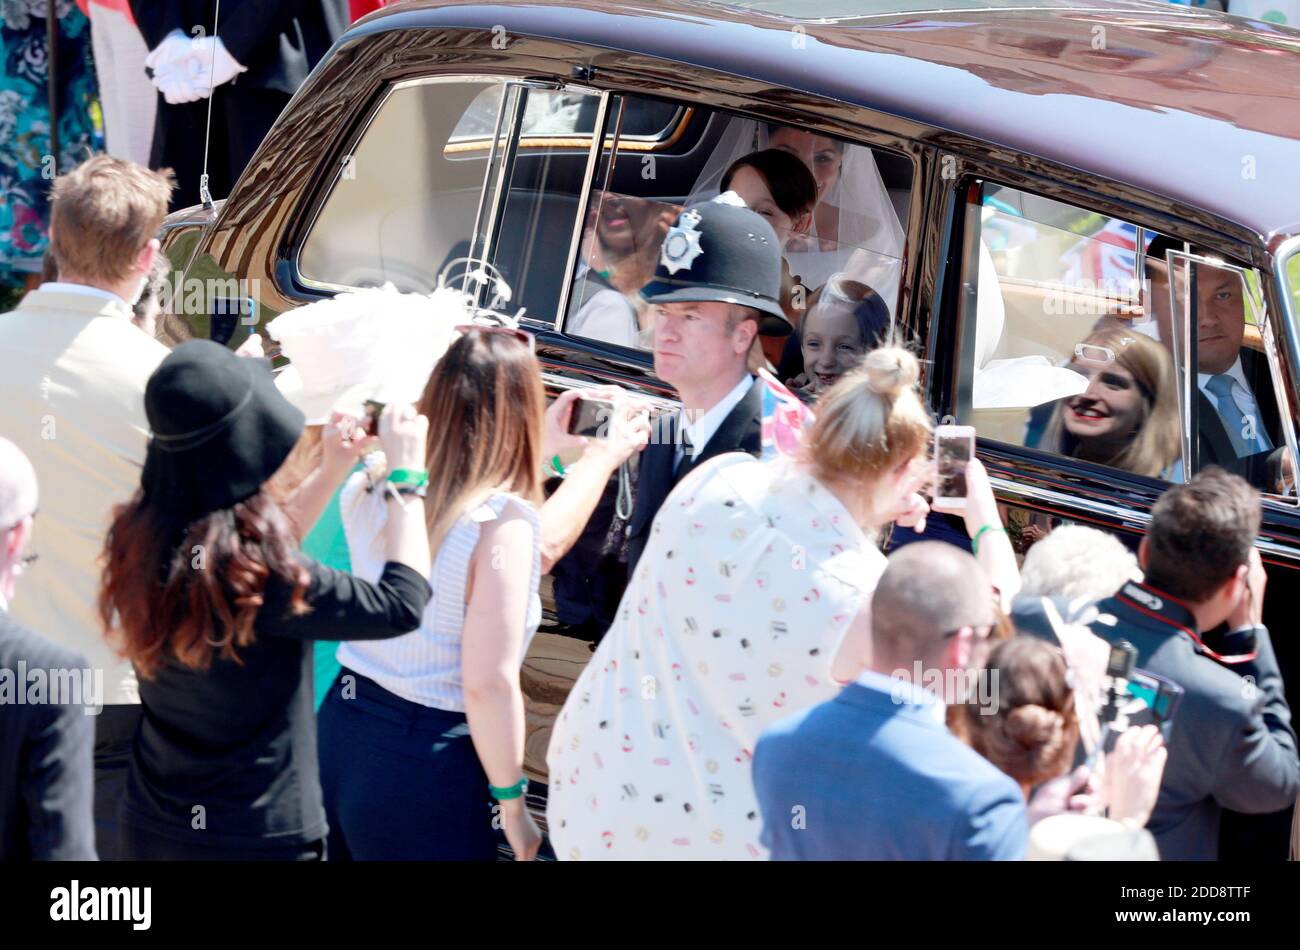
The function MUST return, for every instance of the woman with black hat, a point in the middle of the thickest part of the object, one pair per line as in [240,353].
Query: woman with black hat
[215,607]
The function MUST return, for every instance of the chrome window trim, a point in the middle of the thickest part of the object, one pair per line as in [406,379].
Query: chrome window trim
[584,203]
[1061,503]
[313,283]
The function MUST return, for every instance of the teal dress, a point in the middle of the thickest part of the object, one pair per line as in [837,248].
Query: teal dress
[327,543]
[27,168]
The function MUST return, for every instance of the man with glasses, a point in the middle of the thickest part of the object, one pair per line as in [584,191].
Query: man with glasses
[1231,744]
[874,774]
[45,739]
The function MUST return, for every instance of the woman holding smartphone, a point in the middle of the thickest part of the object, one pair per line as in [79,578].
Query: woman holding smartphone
[754,574]
[422,739]
[215,607]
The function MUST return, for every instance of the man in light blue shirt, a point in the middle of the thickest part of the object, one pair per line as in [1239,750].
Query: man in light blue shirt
[874,774]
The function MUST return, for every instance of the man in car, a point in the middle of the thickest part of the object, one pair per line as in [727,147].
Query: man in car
[1237,410]
[717,287]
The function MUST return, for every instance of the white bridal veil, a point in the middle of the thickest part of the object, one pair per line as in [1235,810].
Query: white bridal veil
[869,245]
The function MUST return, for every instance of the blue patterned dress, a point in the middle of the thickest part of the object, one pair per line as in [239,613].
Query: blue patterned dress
[27,168]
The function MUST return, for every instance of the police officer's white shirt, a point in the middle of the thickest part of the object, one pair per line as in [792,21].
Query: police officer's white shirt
[706,424]
[1245,405]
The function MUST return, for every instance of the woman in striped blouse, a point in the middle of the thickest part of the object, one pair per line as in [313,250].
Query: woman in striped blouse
[422,744]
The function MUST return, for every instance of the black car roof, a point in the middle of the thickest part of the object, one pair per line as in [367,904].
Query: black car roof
[1198,107]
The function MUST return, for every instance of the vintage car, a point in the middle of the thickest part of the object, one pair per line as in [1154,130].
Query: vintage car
[995,169]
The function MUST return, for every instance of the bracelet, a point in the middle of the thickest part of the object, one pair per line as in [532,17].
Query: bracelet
[419,491]
[975,541]
[509,792]
[556,467]
[409,476]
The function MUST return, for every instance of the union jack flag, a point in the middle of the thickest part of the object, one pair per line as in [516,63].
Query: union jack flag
[784,416]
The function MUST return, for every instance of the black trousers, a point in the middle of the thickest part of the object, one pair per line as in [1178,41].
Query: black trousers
[140,845]
[241,117]
[115,729]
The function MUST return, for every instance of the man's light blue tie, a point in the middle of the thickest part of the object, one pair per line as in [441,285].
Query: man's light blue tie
[1243,431]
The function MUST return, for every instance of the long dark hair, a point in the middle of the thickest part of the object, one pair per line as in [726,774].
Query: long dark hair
[189,591]
[791,184]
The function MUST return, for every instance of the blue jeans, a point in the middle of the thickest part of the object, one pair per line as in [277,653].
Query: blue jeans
[402,781]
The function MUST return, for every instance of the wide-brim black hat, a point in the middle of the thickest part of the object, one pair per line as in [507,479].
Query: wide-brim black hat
[219,429]
[722,251]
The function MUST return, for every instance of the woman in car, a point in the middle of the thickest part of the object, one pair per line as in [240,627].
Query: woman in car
[854,226]
[1127,417]
[777,186]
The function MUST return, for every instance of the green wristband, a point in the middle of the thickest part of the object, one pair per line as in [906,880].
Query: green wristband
[510,792]
[558,467]
[975,541]
[409,476]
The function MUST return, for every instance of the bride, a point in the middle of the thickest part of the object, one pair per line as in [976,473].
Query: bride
[855,229]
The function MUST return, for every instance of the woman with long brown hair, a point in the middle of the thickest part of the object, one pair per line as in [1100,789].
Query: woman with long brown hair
[419,735]
[207,595]
[1127,417]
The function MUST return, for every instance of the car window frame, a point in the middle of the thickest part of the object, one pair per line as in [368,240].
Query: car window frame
[862,137]
[975,184]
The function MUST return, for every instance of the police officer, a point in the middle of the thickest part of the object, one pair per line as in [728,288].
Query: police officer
[716,288]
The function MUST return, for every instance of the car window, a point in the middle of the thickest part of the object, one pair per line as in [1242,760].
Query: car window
[403,202]
[1238,408]
[1064,353]
[568,113]
[844,245]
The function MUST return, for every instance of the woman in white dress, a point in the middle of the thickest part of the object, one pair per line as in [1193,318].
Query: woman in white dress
[754,573]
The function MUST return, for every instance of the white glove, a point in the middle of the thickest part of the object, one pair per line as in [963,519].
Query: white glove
[186,69]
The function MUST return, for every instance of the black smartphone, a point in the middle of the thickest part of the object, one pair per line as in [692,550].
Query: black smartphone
[590,418]
[225,314]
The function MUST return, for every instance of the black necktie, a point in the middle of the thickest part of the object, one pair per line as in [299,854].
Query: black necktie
[683,435]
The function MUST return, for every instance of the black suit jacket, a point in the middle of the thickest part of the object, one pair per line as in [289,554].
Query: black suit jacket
[278,40]
[46,757]
[1263,468]
[741,431]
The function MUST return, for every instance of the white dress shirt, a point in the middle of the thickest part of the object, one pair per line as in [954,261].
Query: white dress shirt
[706,424]
[1246,407]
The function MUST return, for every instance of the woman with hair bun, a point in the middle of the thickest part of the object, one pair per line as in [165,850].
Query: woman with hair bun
[752,576]
[1031,732]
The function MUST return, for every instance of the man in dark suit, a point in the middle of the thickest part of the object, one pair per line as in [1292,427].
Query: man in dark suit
[717,286]
[1238,425]
[46,738]
[273,47]
[1231,744]
[874,774]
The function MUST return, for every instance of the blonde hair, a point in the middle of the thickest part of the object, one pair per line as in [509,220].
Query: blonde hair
[1155,446]
[102,213]
[484,402]
[871,420]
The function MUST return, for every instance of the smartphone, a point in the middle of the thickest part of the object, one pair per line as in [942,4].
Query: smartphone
[590,418]
[954,446]
[370,421]
[1161,696]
